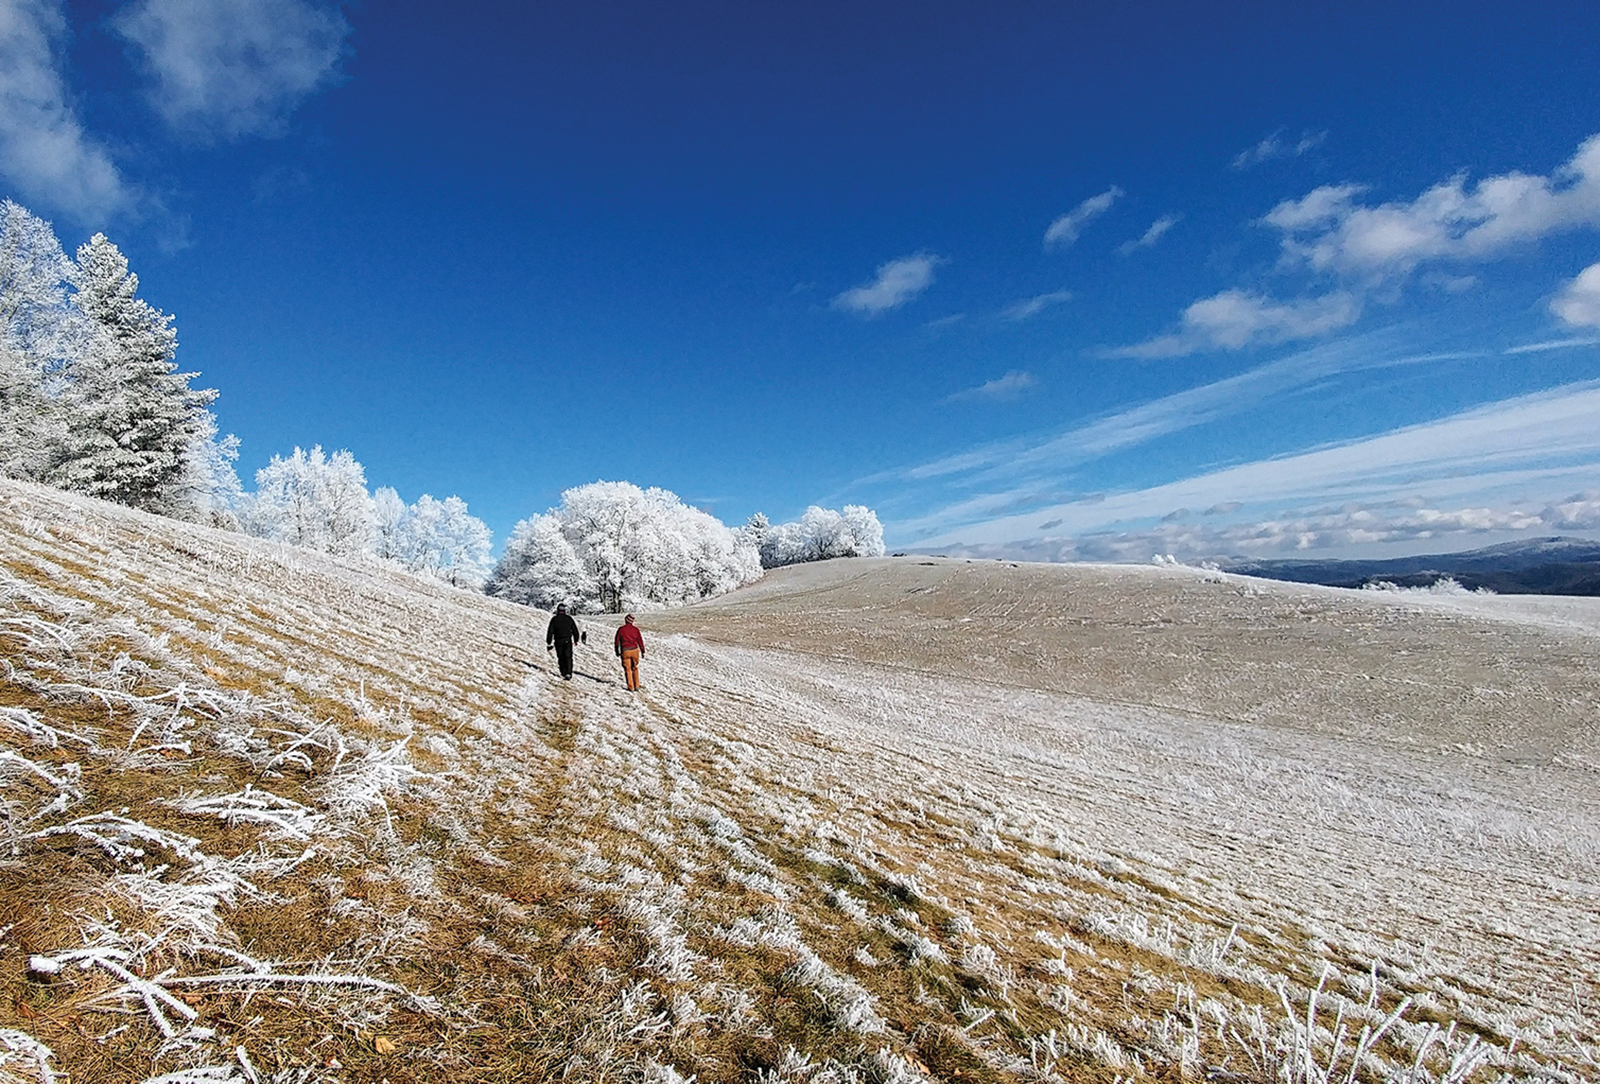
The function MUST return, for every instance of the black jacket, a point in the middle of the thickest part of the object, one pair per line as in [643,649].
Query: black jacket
[563,630]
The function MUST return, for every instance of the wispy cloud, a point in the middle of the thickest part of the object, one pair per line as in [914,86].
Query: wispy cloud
[1237,318]
[224,69]
[44,150]
[1173,413]
[1277,145]
[1553,344]
[1507,466]
[896,283]
[1578,303]
[1065,230]
[1000,389]
[1158,229]
[1330,230]
[1033,306]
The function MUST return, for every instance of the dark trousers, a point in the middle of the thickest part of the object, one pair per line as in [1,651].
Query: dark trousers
[564,657]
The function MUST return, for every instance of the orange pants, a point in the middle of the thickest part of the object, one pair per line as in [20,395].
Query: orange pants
[630,667]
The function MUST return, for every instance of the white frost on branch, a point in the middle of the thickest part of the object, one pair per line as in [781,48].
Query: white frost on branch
[251,806]
[21,1053]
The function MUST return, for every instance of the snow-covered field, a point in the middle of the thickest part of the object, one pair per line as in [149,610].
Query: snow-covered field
[277,817]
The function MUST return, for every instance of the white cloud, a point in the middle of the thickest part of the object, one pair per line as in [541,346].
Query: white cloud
[1033,306]
[1276,146]
[44,150]
[224,69]
[1065,230]
[1329,230]
[897,282]
[1234,319]
[1157,230]
[1010,386]
[1507,466]
[1578,303]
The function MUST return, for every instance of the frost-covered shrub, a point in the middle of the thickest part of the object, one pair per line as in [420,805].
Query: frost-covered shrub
[818,535]
[1444,585]
[612,546]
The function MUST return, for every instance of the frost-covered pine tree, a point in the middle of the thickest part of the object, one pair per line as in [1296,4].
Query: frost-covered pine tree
[134,418]
[36,332]
[314,500]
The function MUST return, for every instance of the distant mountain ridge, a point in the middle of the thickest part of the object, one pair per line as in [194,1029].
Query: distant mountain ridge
[1540,566]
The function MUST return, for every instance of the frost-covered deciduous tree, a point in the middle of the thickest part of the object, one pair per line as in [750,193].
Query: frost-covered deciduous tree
[208,491]
[32,427]
[314,500]
[134,418]
[465,543]
[541,567]
[388,513]
[35,319]
[613,546]
[821,534]
[440,539]
[36,332]
[436,538]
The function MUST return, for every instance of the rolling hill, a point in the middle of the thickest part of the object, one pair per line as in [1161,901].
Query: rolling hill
[278,817]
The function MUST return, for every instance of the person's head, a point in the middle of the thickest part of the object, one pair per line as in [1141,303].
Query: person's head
[561,607]
[628,620]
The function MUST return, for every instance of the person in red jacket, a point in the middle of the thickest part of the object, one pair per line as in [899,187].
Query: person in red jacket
[630,649]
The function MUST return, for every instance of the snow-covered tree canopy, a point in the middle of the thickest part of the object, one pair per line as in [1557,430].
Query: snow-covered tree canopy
[612,546]
[819,534]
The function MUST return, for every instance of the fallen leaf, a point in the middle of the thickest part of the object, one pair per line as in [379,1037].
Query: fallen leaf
[384,1046]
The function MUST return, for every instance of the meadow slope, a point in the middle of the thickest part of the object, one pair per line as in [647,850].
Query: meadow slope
[274,816]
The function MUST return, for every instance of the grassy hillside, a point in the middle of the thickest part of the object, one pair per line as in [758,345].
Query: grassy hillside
[274,817]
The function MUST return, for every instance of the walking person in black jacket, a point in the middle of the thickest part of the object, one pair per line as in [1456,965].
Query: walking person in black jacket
[562,634]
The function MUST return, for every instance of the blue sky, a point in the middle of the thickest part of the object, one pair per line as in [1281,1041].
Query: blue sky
[1035,279]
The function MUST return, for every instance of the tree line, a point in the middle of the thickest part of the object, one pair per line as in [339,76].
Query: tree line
[92,401]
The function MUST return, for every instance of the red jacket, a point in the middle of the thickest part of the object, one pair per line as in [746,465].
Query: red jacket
[629,638]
